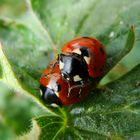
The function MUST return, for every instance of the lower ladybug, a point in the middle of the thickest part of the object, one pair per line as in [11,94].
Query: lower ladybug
[81,58]
[57,91]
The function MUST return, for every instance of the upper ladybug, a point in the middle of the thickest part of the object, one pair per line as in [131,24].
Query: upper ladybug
[82,58]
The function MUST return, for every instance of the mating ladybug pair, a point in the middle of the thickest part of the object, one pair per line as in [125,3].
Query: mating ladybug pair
[68,79]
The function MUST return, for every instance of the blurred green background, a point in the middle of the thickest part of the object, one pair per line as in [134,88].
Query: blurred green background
[33,32]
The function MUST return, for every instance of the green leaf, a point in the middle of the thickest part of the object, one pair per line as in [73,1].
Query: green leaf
[17,119]
[10,79]
[32,31]
[33,134]
[6,8]
[5,132]
[23,52]
[0,71]
[51,127]
[59,18]
[110,113]
[111,62]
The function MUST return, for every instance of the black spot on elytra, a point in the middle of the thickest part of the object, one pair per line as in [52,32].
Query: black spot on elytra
[59,88]
[101,69]
[86,37]
[84,51]
[101,50]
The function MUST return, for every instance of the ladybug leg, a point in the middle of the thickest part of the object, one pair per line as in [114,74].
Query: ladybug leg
[80,90]
[80,86]
[69,89]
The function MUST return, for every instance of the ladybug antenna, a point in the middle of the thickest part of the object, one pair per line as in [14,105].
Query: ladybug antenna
[69,88]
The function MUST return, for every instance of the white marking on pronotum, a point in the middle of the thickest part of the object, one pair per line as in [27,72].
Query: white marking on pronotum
[61,65]
[41,93]
[77,78]
[77,51]
[87,59]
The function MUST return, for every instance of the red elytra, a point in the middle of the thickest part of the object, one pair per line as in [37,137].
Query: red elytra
[67,97]
[96,50]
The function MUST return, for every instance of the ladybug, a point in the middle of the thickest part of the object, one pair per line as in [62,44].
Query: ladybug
[57,91]
[82,58]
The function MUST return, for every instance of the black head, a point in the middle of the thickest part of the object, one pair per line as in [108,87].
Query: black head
[73,67]
[49,96]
